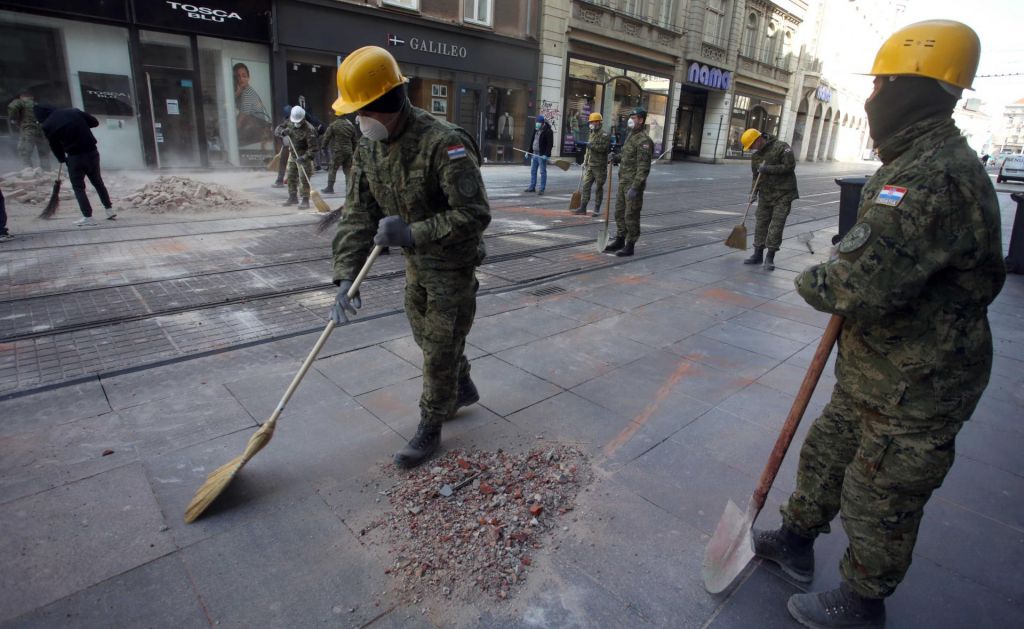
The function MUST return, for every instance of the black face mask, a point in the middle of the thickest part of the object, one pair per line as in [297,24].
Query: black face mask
[904,101]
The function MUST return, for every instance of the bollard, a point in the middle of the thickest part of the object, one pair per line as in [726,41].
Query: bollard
[849,203]
[1015,256]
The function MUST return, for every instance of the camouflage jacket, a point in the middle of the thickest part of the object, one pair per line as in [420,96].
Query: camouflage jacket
[302,137]
[20,112]
[428,174]
[637,153]
[597,149]
[340,138]
[778,182]
[914,278]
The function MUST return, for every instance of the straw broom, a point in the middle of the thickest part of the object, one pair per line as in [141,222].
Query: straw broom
[559,163]
[275,163]
[738,237]
[577,197]
[318,201]
[220,478]
[54,202]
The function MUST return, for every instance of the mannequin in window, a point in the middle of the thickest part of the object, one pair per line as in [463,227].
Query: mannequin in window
[506,134]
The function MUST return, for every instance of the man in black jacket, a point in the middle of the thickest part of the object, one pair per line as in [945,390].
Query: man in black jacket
[540,150]
[67,131]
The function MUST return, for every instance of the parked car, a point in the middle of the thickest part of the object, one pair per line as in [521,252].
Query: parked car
[1011,168]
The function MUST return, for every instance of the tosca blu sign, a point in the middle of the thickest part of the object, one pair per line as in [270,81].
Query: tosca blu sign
[712,77]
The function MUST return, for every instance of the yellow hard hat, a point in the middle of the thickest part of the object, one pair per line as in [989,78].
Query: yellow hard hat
[944,50]
[595,117]
[364,76]
[749,137]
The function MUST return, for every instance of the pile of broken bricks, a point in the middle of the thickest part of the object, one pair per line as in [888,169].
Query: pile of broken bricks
[32,186]
[172,193]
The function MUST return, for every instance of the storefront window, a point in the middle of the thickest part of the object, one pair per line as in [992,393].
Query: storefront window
[582,98]
[237,108]
[751,112]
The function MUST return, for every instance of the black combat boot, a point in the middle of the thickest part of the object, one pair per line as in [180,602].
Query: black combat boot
[278,184]
[420,447]
[626,250]
[304,204]
[769,260]
[615,245]
[597,211]
[329,189]
[292,200]
[793,553]
[841,607]
[757,257]
[467,393]
[580,210]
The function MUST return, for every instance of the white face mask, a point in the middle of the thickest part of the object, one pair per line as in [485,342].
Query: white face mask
[630,123]
[593,127]
[537,125]
[372,129]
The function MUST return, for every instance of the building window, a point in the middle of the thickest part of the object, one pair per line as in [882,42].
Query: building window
[478,12]
[715,22]
[405,4]
[768,52]
[632,7]
[750,36]
[666,13]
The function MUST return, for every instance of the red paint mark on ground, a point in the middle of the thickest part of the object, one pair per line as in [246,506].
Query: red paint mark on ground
[584,256]
[728,297]
[170,247]
[640,420]
[631,279]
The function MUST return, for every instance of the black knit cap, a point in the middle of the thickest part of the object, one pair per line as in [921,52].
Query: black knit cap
[389,103]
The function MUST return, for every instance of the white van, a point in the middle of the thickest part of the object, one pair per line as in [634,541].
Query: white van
[1012,168]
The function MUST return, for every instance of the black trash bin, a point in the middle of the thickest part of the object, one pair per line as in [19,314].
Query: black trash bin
[849,203]
[1015,256]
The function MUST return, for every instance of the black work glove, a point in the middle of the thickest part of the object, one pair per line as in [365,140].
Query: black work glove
[392,231]
[763,168]
[343,305]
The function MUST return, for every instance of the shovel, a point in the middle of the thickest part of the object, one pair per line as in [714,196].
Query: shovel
[731,547]
[602,235]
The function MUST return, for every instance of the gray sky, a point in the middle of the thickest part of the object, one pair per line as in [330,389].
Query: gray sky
[998,24]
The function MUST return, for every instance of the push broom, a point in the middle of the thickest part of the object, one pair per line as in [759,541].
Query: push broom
[220,478]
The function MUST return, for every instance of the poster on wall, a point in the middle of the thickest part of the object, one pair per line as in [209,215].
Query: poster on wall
[106,94]
[252,119]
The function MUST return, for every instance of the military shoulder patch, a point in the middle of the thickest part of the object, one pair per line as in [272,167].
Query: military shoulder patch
[467,186]
[855,238]
[891,196]
[456,151]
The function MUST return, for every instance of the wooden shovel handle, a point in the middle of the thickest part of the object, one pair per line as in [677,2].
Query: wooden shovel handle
[796,413]
[608,200]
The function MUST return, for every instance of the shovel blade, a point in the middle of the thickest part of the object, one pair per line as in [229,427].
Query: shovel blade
[730,550]
[602,239]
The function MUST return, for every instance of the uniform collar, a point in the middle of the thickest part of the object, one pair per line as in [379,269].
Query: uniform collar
[924,130]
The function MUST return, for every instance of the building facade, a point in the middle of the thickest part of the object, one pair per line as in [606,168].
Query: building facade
[1009,139]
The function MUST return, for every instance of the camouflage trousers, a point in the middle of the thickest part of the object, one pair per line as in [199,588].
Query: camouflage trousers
[877,472]
[627,214]
[593,176]
[297,182]
[440,305]
[771,220]
[32,139]
[338,161]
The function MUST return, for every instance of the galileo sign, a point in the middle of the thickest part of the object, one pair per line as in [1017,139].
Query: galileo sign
[712,77]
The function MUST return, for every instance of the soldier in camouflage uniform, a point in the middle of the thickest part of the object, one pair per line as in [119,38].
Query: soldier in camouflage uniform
[301,137]
[416,184]
[30,136]
[595,164]
[774,163]
[913,279]
[637,153]
[341,139]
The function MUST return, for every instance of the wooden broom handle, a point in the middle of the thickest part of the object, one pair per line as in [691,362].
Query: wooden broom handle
[750,200]
[796,413]
[306,364]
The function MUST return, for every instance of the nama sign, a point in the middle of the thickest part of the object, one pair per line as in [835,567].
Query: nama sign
[709,76]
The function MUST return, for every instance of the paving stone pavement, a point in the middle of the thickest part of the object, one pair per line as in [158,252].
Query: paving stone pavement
[674,372]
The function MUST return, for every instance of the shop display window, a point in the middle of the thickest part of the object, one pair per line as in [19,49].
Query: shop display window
[751,113]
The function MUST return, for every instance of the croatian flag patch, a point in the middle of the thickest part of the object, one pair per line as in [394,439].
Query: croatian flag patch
[891,195]
[457,151]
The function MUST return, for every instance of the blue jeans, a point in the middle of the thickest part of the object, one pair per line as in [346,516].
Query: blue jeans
[538,161]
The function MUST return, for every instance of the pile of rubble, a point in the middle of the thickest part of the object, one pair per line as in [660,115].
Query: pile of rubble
[169,193]
[471,522]
[32,186]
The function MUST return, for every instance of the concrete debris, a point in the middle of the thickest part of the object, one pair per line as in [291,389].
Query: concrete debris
[33,186]
[171,193]
[485,537]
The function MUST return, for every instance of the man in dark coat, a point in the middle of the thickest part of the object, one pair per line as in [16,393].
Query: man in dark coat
[540,151]
[72,142]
